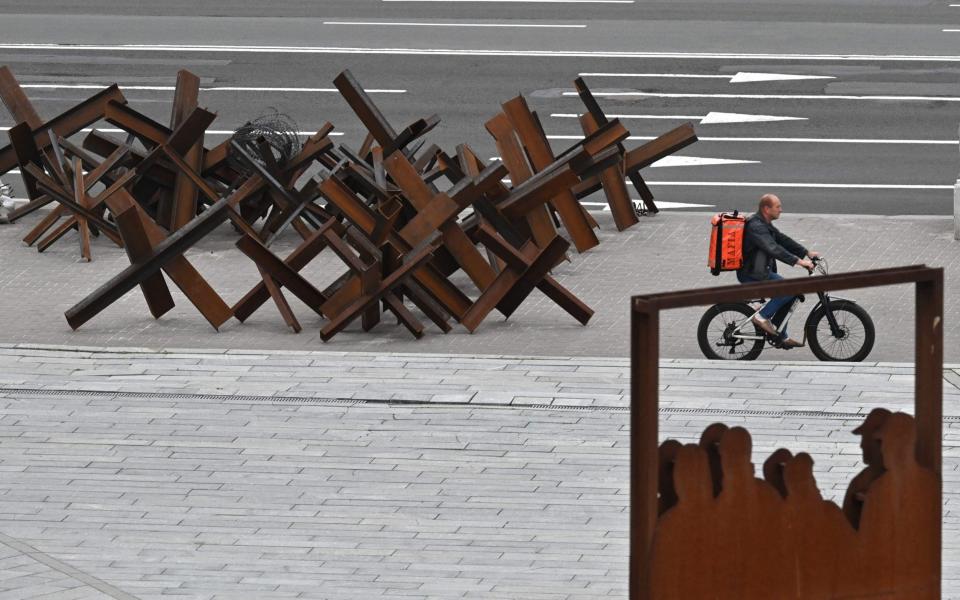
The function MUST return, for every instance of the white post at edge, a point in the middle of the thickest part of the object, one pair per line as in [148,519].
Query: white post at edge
[956,204]
[956,210]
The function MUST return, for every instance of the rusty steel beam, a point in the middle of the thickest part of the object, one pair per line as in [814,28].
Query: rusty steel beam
[200,293]
[668,143]
[17,103]
[280,271]
[437,212]
[185,101]
[385,286]
[25,148]
[533,193]
[172,247]
[512,155]
[139,249]
[541,156]
[614,186]
[548,285]
[593,108]
[67,200]
[365,109]
[148,131]
[67,123]
[509,278]
[793,287]
[297,260]
[104,144]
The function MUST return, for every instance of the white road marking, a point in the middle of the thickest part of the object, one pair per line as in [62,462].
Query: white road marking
[687,161]
[741,77]
[699,161]
[855,186]
[209,132]
[479,52]
[408,24]
[851,186]
[748,77]
[785,140]
[625,116]
[711,118]
[775,96]
[714,118]
[167,88]
[527,1]
[604,207]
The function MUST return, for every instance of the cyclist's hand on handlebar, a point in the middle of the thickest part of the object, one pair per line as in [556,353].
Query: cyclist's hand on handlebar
[806,263]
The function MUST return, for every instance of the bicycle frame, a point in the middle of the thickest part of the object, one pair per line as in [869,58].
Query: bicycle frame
[824,301]
[739,334]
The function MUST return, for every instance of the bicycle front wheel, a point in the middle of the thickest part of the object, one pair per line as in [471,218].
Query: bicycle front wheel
[716,333]
[854,340]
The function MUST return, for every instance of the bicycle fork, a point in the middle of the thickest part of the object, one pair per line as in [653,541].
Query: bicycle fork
[834,326]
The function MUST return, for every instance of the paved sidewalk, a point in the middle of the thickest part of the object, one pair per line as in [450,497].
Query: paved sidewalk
[662,253]
[261,475]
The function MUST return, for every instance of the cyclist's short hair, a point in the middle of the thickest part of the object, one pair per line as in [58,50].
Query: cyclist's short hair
[766,201]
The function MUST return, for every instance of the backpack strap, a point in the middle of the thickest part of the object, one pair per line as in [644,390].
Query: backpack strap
[719,248]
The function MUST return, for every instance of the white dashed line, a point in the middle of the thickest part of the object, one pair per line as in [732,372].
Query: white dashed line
[774,96]
[408,24]
[525,1]
[168,88]
[853,186]
[711,118]
[208,132]
[477,52]
[785,140]
[741,77]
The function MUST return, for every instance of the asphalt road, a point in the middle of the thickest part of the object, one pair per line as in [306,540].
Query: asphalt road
[875,134]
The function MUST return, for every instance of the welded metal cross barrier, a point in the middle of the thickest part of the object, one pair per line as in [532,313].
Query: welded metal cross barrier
[902,562]
[378,208]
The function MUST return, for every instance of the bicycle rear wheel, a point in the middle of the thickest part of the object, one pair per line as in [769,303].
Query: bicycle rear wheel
[856,337]
[716,329]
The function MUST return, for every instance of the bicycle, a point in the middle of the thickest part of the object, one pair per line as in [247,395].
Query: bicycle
[838,329]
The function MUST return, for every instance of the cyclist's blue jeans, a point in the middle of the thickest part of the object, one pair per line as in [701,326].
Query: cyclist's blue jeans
[774,304]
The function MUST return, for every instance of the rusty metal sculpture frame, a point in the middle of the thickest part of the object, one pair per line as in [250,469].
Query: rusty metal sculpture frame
[644,369]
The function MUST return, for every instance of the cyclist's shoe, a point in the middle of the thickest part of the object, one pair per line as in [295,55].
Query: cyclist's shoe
[791,343]
[764,324]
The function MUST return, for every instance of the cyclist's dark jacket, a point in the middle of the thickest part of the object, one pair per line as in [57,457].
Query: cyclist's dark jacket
[763,246]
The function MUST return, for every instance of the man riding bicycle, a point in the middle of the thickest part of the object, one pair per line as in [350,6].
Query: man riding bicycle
[763,246]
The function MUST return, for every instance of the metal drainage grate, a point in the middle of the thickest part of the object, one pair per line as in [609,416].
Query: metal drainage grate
[183,396]
[574,407]
[307,401]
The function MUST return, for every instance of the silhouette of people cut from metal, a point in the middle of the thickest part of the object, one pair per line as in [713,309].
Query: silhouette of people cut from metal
[870,445]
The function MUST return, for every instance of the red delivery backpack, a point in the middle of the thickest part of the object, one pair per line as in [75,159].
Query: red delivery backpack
[726,242]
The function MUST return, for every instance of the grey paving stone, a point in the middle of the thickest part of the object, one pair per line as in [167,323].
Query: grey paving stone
[262,498]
